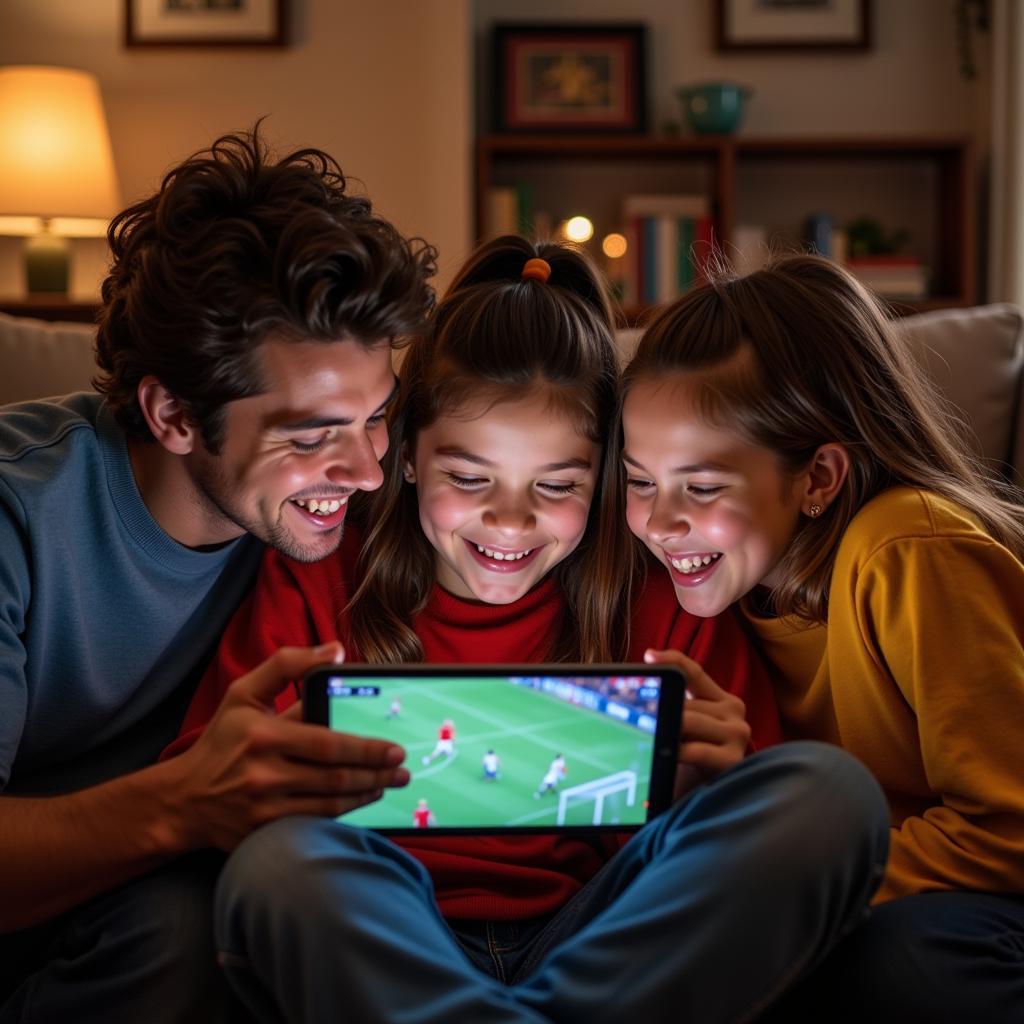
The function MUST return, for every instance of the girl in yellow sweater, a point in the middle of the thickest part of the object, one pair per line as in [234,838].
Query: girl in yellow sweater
[780,448]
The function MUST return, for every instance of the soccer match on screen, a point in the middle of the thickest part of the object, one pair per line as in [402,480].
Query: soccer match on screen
[510,751]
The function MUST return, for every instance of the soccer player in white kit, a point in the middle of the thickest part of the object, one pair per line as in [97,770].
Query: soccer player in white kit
[492,765]
[554,775]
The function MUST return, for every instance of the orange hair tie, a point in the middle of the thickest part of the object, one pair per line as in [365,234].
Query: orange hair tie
[536,269]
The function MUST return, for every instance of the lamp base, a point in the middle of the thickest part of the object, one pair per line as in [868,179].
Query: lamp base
[46,264]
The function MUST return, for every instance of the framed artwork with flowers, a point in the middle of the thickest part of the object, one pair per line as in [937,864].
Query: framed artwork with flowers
[578,77]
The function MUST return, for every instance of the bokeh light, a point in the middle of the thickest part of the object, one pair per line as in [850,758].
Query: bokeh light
[614,246]
[579,229]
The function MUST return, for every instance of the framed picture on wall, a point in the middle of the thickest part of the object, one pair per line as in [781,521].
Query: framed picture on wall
[578,77]
[205,22]
[793,25]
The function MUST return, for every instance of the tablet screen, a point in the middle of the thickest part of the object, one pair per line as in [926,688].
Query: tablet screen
[503,750]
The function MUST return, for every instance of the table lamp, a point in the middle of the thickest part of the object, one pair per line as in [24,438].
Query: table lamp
[57,177]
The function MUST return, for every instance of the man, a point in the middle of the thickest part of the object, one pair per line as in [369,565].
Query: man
[245,347]
[552,777]
[422,815]
[445,742]
[492,766]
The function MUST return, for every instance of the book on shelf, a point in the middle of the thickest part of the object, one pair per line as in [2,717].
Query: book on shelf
[510,211]
[890,275]
[702,252]
[826,238]
[502,218]
[840,250]
[669,240]
[818,233]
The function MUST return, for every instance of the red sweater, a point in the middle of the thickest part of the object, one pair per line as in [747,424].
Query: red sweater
[480,877]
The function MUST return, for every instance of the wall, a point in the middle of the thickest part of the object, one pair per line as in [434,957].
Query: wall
[908,82]
[387,87]
[384,87]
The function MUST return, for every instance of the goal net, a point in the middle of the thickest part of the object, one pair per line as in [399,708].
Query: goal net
[597,790]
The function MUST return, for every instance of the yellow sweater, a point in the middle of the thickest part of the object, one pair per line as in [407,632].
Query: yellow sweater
[920,674]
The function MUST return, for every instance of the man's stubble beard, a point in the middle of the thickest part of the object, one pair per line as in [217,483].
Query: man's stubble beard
[211,494]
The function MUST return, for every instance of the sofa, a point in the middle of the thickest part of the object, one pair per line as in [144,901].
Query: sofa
[39,359]
[975,355]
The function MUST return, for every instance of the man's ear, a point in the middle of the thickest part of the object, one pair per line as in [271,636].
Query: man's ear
[408,472]
[826,475]
[165,417]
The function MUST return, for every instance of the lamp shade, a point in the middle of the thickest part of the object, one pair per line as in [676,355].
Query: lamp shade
[55,155]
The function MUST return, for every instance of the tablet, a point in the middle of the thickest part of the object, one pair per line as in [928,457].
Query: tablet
[511,748]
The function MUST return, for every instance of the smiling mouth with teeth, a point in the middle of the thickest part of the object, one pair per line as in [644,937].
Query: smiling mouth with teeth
[321,506]
[693,563]
[503,556]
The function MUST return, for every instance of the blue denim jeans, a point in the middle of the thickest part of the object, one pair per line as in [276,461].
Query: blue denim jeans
[708,913]
[141,952]
[940,957]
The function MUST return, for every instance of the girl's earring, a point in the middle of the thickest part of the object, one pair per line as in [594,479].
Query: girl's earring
[410,476]
[814,511]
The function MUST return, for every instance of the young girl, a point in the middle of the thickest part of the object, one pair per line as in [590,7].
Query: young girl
[781,449]
[480,547]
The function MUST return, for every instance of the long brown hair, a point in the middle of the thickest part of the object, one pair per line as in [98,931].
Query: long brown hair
[797,355]
[495,336]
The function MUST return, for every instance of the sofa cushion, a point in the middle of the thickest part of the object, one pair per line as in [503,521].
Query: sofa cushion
[976,356]
[40,359]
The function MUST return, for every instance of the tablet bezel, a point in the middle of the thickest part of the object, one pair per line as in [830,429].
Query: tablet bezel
[664,748]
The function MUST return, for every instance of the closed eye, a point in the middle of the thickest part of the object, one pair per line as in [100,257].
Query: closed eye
[465,481]
[559,488]
[638,484]
[705,492]
[308,447]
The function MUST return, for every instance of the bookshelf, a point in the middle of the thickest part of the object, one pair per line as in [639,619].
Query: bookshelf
[923,186]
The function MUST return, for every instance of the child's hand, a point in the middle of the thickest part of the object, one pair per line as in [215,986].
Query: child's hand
[715,734]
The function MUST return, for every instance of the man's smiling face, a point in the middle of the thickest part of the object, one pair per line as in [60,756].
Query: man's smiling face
[293,455]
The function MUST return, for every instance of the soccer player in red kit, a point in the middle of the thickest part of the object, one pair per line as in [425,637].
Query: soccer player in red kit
[445,742]
[423,816]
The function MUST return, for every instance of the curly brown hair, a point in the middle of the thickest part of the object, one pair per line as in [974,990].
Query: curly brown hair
[236,247]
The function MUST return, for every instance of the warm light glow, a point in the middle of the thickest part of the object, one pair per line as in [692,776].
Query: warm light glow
[579,229]
[66,227]
[21,226]
[614,246]
[55,155]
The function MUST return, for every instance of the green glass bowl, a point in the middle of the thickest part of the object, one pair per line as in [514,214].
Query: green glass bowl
[714,108]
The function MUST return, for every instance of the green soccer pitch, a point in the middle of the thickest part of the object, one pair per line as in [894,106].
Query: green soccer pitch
[524,727]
